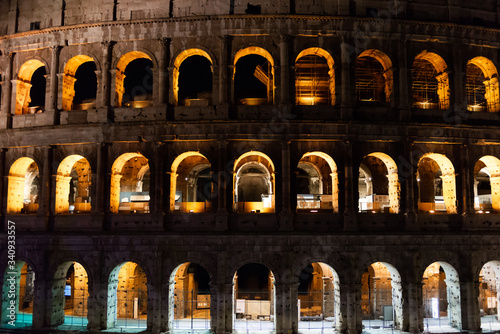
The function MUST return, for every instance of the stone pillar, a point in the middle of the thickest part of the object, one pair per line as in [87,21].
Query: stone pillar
[104,91]
[98,200]
[350,207]
[404,84]
[413,316]
[159,181]
[467,179]
[346,88]
[51,102]
[172,94]
[285,69]
[469,296]
[163,62]
[225,44]
[282,308]
[46,183]
[228,308]
[285,176]
[350,295]
[5,112]
[112,94]
[41,299]
[457,89]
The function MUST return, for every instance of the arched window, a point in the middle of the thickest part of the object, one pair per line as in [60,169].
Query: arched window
[130,180]
[489,286]
[191,183]
[30,90]
[79,84]
[193,78]
[373,77]
[21,276]
[487,184]
[253,77]
[430,83]
[73,185]
[24,187]
[482,85]
[314,78]
[436,184]
[134,80]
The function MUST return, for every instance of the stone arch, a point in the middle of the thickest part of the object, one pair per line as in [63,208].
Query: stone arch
[265,78]
[24,85]
[121,66]
[426,174]
[254,296]
[189,297]
[258,169]
[482,85]
[181,57]
[318,84]
[127,295]
[327,169]
[490,166]
[393,186]
[321,305]
[433,278]
[378,277]
[69,291]
[140,203]
[18,286]
[69,79]
[431,86]
[23,189]
[374,73]
[489,289]
[188,167]
[66,187]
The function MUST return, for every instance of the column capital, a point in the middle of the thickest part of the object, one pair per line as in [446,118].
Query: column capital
[164,41]
[54,50]
[107,44]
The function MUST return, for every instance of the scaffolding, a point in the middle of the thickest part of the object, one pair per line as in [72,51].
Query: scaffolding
[312,81]
[425,86]
[370,80]
[475,89]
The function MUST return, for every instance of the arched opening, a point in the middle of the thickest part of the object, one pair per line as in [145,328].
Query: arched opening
[319,299]
[253,77]
[378,184]
[79,84]
[381,297]
[73,182]
[441,295]
[430,83]
[436,184]
[30,90]
[314,78]
[189,301]
[193,78]
[254,299]
[373,77]
[317,183]
[127,298]
[69,297]
[481,85]
[24,187]
[18,293]
[134,80]
[487,184]
[130,182]
[489,294]
[191,183]
[253,181]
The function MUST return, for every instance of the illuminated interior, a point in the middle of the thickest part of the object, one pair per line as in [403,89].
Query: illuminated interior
[79,84]
[134,80]
[189,307]
[253,76]
[127,297]
[73,182]
[381,294]
[191,183]
[24,187]
[24,290]
[482,85]
[253,181]
[314,78]
[430,82]
[192,78]
[441,293]
[373,77]
[130,180]
[487,185]
[30,90]
[436,184]
[489,285]
[317,183]
[378,184]
[254,296]
[319,297]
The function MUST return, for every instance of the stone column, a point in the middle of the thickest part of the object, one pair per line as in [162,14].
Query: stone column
[46,183]
[350,294]
[346,93]
[225,44]
[228,308]
[350,207]
[467,178]
[163,62]
[42,296]
[5,112]
[51,103]
[112,90]
[105,87]
[458,101]
[285,176]
[413,316]
[285,69]
[98,181]
[469,295]
[404,84]
[172,95]
[159,181]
